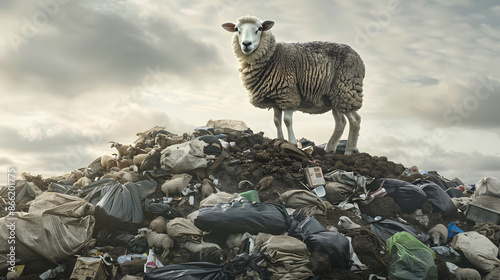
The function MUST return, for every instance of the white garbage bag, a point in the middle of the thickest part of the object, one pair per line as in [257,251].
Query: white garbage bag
[488,186]
[478,249]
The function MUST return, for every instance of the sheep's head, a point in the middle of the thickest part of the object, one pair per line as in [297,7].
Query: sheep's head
[249,30]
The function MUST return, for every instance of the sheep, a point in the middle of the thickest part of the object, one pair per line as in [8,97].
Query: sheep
[439,234]
[206,188]
[143,140]
[235,241]
[177,184]
[209,254]
[125,175]
[138,159]
[164,140]
[122,149]
[108,162]
[75,175]
[133,151]
[312,77]
[196,247]
[346,223]
[159,225]
[160,240]
[82,182]
[124,163]
[264,183]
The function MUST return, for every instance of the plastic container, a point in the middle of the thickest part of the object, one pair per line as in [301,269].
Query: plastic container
[453,229]
[252,196]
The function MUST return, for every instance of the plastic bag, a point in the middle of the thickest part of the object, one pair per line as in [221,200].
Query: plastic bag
[409,258]
[161,209]
[184,157]
[334,244]
[478,249]
[145,188]
[120,209]
[234,217]
[138,245]
[288,257]
[214,147]
[303,226]
[386,228]
[408,196]
[189,271]
[243,263]
[441,201]
[113,237]
[304,201]
[56,227]
[349,178]
[488,186]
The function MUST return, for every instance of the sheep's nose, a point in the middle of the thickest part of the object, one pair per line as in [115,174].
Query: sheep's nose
[246,43]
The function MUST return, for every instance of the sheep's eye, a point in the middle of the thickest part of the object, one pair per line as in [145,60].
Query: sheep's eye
[236,29]
[260,28]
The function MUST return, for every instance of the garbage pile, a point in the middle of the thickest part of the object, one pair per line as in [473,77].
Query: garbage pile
[223,202]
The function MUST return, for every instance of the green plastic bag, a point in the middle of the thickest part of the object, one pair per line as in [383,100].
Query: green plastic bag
[409,258]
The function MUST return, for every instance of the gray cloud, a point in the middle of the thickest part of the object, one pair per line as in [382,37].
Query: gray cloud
[421,80]
[83,47]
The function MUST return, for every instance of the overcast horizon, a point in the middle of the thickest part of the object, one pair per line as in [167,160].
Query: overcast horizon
[78,74]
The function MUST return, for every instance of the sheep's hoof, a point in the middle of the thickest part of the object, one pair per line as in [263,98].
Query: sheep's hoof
[330,150]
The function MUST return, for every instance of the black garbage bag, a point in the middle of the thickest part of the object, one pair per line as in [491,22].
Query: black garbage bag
[189,271]
[94,169]
[439,180]
[145,188]
[157,174]
[454,192]
[119,208]
[214,146]
[334,244]
[137,245]
[441,201]
[303,226]
[113,238]
[209,254]
[161,209]
[61,188]
[385,229]
[27,191]
[408,196]
[243,263]
[234,217]
[94,191]
[151,162]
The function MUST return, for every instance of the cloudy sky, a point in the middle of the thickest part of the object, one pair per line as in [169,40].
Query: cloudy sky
[77,74]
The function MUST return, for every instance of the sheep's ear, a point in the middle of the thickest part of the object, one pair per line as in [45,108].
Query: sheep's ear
[229,27]
[266,25]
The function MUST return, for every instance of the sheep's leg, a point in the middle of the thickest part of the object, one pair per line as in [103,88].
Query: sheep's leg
[277,121]
[287,119]
[354,126]
[340,123]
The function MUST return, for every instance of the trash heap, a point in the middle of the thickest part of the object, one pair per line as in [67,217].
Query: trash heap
[222,202]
